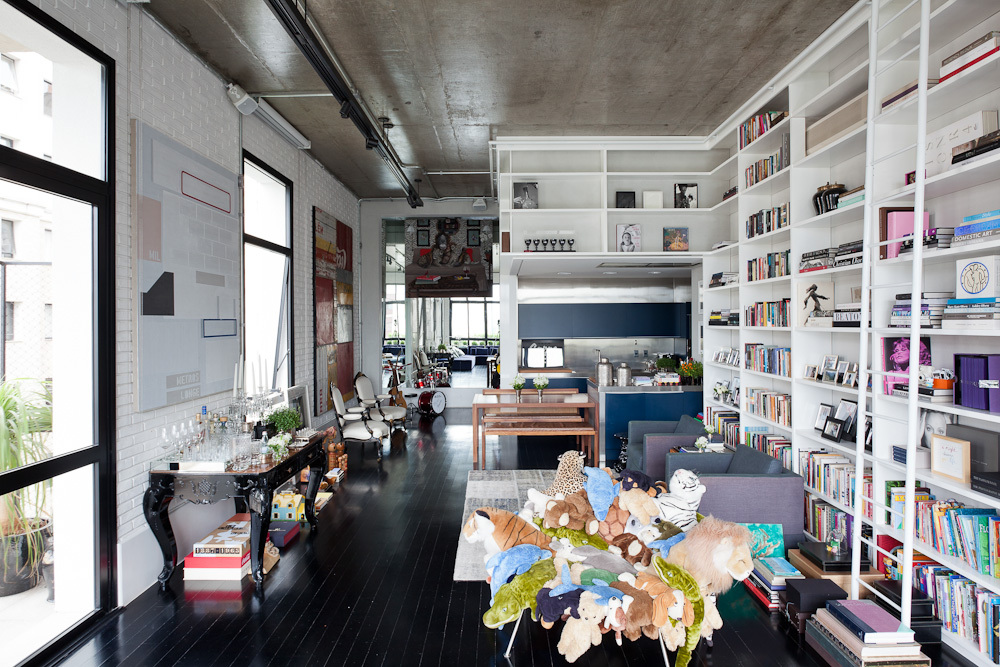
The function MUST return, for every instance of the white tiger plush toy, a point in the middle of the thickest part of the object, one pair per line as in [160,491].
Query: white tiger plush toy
[680,505]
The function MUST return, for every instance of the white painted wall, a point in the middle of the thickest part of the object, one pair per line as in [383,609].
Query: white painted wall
[372,212]
[161,83]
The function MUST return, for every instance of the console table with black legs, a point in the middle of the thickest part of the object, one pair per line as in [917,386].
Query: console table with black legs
[252,489]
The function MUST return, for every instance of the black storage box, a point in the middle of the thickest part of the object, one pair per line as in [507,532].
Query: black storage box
[828,561]
[926,627]
[810,594]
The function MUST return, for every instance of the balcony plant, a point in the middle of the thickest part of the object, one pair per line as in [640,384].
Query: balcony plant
[24,514]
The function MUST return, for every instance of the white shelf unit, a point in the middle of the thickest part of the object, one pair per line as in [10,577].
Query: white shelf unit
[910,41]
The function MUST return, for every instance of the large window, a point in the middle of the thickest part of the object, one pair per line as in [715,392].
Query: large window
[267,263]
[57,360]
[476,321]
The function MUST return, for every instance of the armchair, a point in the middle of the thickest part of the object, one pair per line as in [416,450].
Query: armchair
[648,455]
[356,424]
[380,406]
[745,486]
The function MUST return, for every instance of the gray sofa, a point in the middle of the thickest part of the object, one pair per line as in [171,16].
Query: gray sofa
[649,455]
[745,486]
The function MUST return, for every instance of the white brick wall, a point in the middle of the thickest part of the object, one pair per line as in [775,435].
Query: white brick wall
[160,83]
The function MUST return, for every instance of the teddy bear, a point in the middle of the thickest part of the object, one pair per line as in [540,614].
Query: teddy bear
[579,634]
[632,549]
[639,504]
[573,512]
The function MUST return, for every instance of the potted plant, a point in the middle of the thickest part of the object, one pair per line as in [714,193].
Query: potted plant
[691,372]
[541,382]
[283,420]
[517,384]
[668,364]
[24,513]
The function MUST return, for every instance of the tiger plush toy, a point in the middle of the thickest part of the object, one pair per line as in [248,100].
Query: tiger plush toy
[680,505]
[500,530]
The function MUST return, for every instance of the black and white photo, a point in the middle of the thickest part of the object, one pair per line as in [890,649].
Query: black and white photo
[685,195]
[525,195]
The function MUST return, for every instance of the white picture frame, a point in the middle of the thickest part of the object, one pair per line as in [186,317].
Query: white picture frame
[951,458]
[298,397]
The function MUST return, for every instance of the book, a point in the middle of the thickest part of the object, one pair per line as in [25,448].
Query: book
[974,148]
[898,225]
[869,622]
[206,573]
[837,655]
[941,142]
[974,53]
[859,648]
[776,570]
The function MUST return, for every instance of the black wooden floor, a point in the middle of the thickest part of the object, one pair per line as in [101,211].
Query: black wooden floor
[374,587]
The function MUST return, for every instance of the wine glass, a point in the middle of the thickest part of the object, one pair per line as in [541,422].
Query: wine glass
[527,245]
[562,245]
[536,242]
[545,245]
[571,242]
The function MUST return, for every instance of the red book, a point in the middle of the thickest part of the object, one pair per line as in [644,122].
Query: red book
[970,64]
[216,561]
[760,596]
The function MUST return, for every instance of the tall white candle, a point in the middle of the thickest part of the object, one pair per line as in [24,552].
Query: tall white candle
[253,377]
[236,376]
[267,375]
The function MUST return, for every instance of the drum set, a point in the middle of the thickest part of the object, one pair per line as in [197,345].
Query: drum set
[432,402]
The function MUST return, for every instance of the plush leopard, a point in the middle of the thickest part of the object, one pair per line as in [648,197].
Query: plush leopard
[569,475]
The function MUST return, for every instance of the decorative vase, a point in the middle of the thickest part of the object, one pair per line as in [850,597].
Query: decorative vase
[517,394]
[540,395]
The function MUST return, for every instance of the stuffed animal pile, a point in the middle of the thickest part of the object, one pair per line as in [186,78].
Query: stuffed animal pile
[629,556]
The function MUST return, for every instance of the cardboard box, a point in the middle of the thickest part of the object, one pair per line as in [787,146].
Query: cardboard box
[283,532]
[838,123]
[230,539]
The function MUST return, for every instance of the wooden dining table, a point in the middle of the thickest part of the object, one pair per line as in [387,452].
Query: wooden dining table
[556,412]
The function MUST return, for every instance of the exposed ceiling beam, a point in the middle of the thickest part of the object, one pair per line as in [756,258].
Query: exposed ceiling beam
[352,107]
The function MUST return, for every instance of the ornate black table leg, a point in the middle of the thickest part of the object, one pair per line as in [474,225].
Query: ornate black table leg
[155,503]
[259,502]
[316,472]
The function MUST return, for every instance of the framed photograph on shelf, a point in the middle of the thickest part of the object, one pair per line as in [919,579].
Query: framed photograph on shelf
[830,375]
[851,379]
[833,429]
[625,199]
[629,238]
[950,457]
[685,195]
[675,239]
[847,412]
[810,373]
[842,368]
[525,195]
[822,415]
[829,361]
[734,391]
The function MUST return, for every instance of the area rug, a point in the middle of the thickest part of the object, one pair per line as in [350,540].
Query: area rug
[503,489]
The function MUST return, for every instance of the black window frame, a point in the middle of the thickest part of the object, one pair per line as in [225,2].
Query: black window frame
[33,172]
[288,252]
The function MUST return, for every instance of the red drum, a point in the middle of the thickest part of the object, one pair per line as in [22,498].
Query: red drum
[432,402]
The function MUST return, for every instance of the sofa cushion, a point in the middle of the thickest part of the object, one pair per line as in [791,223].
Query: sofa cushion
[749,461]
[688,425]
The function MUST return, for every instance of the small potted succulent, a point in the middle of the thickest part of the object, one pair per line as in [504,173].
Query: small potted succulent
[541,382]
[517,384]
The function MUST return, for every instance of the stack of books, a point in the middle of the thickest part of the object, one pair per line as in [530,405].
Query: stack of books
[767,220]
[855,196]
[937,238]
[223,555]
[926,627]
[922,455]
[969,150]
[860,633]
[934,395]
[723,278]
[849,253]
[724,318]
[847,315]
[817,260]
[971,56]
[731,192]
[907,92]
[932,309]
[977,313]
[768,579]
[977,228]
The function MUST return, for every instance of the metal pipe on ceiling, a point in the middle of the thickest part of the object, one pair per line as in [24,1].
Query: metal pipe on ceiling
[352,107]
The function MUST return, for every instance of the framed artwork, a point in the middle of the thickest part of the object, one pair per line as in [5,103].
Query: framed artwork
[822,415]
[525,195]
[685,195]
[472,238]
[815,299]
[423,238]
[625,199]
[829,361]
[766,539]
[850,379]
[847,412]
[833,429]
[810,373]
[842,368]
[830,375]
[629,238]
[950,457]
[472,223]
[675,239]
[896,358]
[423,222]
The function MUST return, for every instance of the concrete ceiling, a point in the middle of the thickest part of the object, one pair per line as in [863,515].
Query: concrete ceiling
[452,74]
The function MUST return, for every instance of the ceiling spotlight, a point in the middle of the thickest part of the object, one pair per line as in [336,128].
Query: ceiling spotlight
[479,204]
[371,143]
[245,104]
[345,109]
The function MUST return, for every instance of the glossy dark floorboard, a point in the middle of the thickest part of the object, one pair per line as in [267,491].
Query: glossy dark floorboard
[373,586]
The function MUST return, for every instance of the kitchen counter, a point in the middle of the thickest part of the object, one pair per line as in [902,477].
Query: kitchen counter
[615,389]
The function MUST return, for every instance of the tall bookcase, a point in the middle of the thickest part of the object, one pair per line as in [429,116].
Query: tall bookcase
[900,41]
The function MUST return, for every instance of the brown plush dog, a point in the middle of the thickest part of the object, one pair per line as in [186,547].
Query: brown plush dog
[574,512]
[640,615]
[632,549]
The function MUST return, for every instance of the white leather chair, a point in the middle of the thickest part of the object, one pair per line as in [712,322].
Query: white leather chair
[374,403]
[356,424]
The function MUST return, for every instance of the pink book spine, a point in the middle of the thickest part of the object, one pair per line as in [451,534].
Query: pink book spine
[898,224]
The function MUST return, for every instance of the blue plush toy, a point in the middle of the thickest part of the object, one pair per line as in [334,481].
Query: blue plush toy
[665,545]
[550,609]
[600,589]
[601,491]
[503,566]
